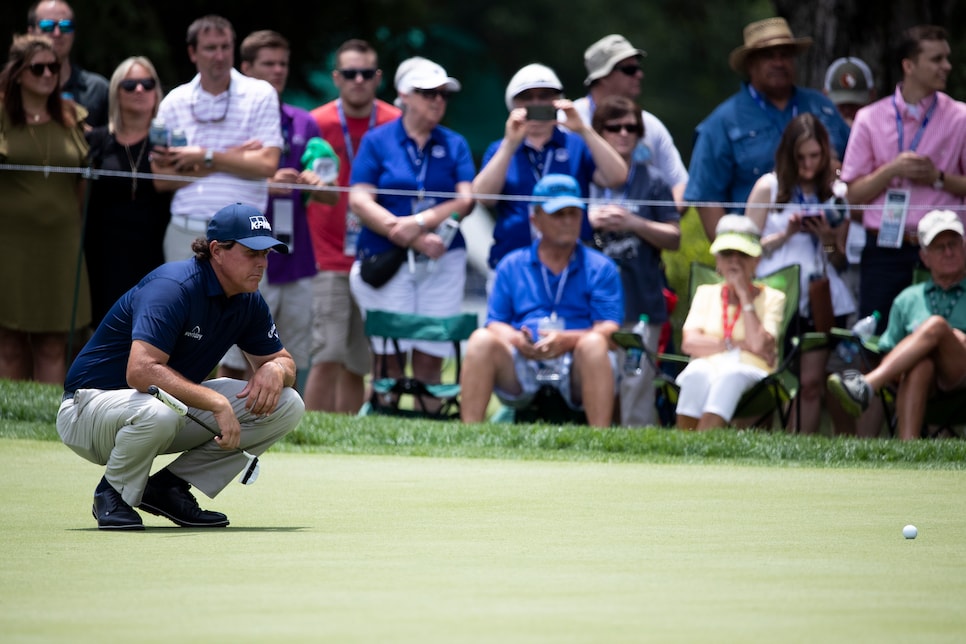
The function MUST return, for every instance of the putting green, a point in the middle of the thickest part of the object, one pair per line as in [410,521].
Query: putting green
[364,549]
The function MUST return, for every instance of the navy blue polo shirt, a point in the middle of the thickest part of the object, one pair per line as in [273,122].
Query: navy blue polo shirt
[181,309]
[390,160]
[564,153]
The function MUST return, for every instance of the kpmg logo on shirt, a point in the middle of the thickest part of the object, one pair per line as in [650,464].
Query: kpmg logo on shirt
[194,333]
[260,222]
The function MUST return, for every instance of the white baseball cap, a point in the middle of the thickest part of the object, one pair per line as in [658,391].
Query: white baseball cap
[421,73]
[533,76]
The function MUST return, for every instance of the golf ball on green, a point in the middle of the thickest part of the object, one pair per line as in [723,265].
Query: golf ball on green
[910,532]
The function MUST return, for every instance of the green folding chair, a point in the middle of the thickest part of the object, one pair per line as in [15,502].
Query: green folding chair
[774,393]
[391,396]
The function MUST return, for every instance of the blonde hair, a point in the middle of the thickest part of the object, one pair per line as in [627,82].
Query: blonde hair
[113,104]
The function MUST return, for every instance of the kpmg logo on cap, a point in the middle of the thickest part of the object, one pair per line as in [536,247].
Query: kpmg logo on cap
[260,222]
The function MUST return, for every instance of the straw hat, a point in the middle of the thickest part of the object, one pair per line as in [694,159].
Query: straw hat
[764,34]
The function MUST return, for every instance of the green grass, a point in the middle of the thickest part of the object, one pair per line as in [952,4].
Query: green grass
[29,411]
[366,548]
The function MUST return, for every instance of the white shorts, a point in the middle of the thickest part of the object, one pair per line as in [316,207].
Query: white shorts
[526,373]
[437,292]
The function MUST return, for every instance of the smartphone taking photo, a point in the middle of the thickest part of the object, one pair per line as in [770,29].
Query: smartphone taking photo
[541,113]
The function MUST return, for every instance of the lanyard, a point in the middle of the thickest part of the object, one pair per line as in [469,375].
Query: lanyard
[539,171]
[619,199]
[758,98]
[728,325]
[943,302]
[349,150]
[922,126]
[560,286]
[420,162]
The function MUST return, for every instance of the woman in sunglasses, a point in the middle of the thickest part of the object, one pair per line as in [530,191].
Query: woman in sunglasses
[633,234]
[412,175]
[127,216]
[45,289]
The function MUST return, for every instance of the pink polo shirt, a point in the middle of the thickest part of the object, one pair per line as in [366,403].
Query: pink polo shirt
[874,141]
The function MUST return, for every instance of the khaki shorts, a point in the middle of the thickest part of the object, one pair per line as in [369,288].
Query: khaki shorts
[337,328]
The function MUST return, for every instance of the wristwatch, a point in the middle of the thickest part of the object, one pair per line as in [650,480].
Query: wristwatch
[940,183]
[209,158]
[421,220]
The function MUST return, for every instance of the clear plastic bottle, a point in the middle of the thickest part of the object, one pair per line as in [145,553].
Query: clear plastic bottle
[179,139]
[550,370]
[447,232]
[158,134]
[632,362]
[863,330]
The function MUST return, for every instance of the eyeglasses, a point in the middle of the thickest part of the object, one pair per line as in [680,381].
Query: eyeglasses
[629,70]
[630,128]
[37,69]
[352,74]
[131,84]
[47,26]
[432,94]
[219,119]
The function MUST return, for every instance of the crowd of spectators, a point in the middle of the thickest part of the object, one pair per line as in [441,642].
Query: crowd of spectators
[572,186]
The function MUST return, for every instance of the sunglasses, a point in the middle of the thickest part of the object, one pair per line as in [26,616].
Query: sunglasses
[629,70]
[131,84]
[37,69]
[48,26]
[432,94]
[630,128]
[352,74]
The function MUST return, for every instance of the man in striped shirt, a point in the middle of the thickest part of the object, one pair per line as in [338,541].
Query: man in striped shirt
[234,137]
[906,156]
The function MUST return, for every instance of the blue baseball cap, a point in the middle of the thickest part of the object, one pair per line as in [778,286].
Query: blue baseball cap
[246,225]
[556,191]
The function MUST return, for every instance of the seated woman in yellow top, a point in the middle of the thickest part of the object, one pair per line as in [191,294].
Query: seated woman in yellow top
[730,331]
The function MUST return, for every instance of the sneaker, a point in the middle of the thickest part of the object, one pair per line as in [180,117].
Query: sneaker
[852,390]
[167,496]
[111,512]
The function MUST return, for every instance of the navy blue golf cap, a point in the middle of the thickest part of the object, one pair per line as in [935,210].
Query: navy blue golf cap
[246,225]
[556,191]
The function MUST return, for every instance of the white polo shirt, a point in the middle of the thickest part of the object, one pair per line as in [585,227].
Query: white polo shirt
[248,110]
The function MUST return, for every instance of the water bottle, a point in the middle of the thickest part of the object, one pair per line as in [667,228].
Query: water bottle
[447,232]
[632,362]
[863,330]
[179,139]
[549,370]
[158,134]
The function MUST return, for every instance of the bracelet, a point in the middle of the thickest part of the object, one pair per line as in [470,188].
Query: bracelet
[748,308]
[421,220]
[828,248]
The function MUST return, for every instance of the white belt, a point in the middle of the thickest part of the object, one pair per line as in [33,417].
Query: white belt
[193,224]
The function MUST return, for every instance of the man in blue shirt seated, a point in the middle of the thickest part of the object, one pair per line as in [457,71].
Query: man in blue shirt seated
[925,337]
[170,331]
[550,316]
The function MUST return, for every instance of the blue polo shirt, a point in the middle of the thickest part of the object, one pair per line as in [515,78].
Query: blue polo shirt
[524,290]
[564,153]
[181,309]
[736,143]
[390,160]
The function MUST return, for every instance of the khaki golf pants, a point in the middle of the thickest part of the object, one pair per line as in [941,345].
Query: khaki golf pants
[125,430]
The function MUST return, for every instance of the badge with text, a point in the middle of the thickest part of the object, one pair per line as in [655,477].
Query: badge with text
[894,213]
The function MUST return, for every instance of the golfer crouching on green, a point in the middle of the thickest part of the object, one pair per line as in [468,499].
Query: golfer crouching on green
[169,332]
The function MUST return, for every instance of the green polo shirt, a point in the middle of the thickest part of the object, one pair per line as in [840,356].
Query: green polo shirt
[918,302]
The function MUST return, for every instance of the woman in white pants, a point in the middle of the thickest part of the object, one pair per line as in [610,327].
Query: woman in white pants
[730,331]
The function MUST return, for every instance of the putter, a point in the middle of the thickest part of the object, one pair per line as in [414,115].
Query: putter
[251,471]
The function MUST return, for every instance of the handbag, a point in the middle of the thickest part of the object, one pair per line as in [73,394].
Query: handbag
[820,303]
[378,268]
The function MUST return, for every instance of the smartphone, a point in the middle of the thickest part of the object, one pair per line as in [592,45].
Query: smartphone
[541,113]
